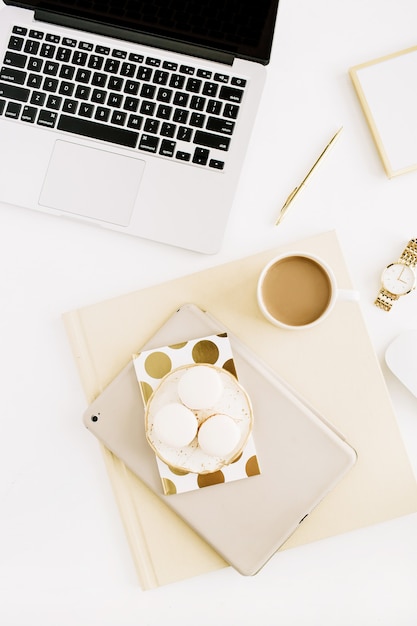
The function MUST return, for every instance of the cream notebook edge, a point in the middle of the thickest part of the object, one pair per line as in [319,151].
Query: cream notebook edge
[104,336]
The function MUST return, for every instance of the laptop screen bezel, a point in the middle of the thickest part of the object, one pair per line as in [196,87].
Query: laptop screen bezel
[61,13]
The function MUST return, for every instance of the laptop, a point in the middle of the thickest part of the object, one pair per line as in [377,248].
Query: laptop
[134,115]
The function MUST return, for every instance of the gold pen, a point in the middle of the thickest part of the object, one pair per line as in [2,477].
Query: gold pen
[301,185]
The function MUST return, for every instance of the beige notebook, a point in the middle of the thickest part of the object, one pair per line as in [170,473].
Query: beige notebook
[332,365]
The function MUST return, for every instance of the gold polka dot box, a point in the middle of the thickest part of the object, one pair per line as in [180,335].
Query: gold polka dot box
[190,467]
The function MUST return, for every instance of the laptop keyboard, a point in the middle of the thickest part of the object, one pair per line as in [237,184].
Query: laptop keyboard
[186,113]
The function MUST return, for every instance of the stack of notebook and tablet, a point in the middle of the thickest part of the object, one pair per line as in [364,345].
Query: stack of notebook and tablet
[306,465]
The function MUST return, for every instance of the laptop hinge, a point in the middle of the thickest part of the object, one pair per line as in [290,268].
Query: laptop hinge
[126,34]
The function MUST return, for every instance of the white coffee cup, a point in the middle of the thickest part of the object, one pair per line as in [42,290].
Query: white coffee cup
[298,290]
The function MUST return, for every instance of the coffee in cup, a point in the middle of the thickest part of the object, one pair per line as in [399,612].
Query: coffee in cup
[298,290]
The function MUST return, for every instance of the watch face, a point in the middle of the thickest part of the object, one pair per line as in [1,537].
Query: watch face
[398,279]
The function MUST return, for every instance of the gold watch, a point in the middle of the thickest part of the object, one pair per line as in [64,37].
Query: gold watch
[398,278]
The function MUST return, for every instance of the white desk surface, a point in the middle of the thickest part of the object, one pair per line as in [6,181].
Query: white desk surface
[64,558]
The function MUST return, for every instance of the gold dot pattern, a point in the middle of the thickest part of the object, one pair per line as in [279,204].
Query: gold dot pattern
[205,351]
[177,471]
[229,366]
[252,467]
[158,364]
[146,390]
[207,480]
[169,487]
[178,346]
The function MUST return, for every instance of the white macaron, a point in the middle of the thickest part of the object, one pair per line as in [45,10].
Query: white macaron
[219,435]
[175,425]
[200,387]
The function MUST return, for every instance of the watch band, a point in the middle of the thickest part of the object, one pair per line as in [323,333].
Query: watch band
[385,299]
[409,256]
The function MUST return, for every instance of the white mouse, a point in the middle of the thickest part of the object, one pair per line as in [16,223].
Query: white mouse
[400,357]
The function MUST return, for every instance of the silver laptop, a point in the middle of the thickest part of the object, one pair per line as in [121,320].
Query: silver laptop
[134,115]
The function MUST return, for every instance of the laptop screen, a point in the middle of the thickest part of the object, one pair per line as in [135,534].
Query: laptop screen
[243,28]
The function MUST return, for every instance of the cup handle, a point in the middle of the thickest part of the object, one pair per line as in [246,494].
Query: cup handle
[348,295]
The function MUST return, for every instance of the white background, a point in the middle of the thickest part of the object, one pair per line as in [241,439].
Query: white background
[64,558]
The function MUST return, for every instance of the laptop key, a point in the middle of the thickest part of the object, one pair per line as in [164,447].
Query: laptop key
[31,46]
[216,164]
[70,106]
[231,94]
[14,93]
[13,110]
[69,43]
[86,45]
[19,30]
[211,141]
[53,38]
[34,81]
[11,75]
[168,130]
[210,89]
[15,43]
[50,84]
[29,114]
[98,96]
[197,119]
[81,76]
[231,111]
[67,72]
[219,125]
[47,50]
[47,118]
[119,118]
[36,34]
[135,121]
[86,109]
[51,68]
[38,97]
[167,148]
[160,77]
[66,89]
[238,82]
[95,62]
[35,65]
[200,156]
[149,143]
[95,130]
[63,55]
[183,156]
[53,102]
[15,59]
[79,58]
[102,114]
[112,66]
[103,50]
[193,85]
[131,87]
[214,107]
[82,92]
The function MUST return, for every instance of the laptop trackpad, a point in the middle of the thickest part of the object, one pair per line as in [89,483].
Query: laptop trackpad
[92,183]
